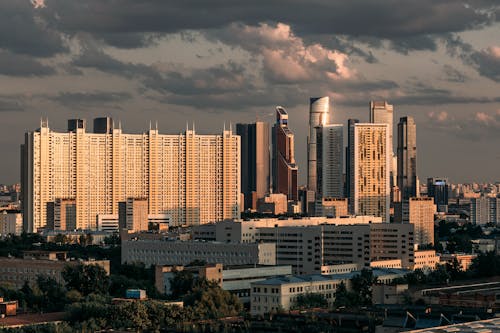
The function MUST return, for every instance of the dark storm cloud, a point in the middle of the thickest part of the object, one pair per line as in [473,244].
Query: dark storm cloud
[21,31]
[384,18]
[452,74]
[22,65]
[414,43]
[10,103]
[82,100]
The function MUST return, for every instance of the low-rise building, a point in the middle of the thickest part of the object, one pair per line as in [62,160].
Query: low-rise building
[465,260]
[16,271]
[235,279]
[11,222]
[175,252]
[426,260]
[280,293]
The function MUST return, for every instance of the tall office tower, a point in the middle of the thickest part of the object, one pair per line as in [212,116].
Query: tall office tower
[437,188]
[421,215]
[193,178]
[369,171]
[133,214]
[284,168]
[103,125]
[329,163]
[255,156]
[382,112]
[348,152]
[407,158]
[318,116]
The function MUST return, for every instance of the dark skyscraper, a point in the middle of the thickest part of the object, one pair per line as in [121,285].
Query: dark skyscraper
[407,158]
[438,188]
[103,125]
[255,180]
[348,152]
[284,167]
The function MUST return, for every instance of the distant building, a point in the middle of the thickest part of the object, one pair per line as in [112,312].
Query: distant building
[16,272]
[484,210]
[193,178]
[11,222]
[407,158]
[284,168]
[438,188]
[421,215]
[133,214]
[348,153]
[168,252]
[426,260]
[255,165]
[61,214]
[329,163]
[274,203]
[319,114]
[369,170]
[334,207]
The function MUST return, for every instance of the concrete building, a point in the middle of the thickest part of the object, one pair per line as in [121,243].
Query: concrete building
[255,165]
[465,260]
[110,222]
[334,207]
[133,214]
[274,203]
[369,171]
[407,158]
[284,168]
[61,214]
[235,279]
[421,215]
[194,178]
[310,244]
[166,252]
[349,151]
[484,210]
[280,293]
[329,164]
[319,115]
[15,271]
[426,260]
[11,222]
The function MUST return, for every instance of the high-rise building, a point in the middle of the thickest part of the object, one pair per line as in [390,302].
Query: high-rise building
[255,171]
[61,214]
[438,188]
[284,167]
[319,108]
[421,215]
[484,210]
[349,151]
[329,161]
[369,170]
[133,214]
[193,178]
[382,112]
[407,158]
[103,125]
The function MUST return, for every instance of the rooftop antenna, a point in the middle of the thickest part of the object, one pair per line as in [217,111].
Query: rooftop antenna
[150,125]
[193,127]
[156,125]
[224,126]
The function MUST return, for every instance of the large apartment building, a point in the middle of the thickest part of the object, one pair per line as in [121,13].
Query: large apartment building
[194,178]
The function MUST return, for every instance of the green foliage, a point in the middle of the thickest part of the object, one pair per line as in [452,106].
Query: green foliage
[182,283]
[86,279]
[485,265]
[52,294]
[210,301]
[362,286]
[310,300]
[344,298]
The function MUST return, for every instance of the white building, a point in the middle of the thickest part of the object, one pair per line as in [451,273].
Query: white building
[193,178]
[11,222]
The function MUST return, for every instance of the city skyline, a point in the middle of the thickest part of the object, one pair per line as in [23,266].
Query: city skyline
[435,61]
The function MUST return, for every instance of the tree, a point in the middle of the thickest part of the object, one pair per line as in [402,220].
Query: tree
[310,300]
[182,283]
[454,269]
[86,279]
[344,298]
[52,293]
[362,286]
[485,265]
[210,301]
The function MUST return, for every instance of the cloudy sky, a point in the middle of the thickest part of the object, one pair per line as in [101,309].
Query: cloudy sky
[217,61]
